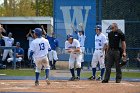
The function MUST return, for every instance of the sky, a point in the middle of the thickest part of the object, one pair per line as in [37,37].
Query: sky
[1,1]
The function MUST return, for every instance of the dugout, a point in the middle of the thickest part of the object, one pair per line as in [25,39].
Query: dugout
[20,26]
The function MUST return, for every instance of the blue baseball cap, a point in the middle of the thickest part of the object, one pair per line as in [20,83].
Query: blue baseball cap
[98,27]
[38,31]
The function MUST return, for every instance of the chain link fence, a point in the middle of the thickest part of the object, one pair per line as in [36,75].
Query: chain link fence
[129,10]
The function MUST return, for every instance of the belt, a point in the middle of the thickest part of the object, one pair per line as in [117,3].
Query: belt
[99,49]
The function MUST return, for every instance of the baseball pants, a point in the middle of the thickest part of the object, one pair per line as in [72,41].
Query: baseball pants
[113,56]
[75,60]
[6,52]
[53,55]
[83,50]
[42,61]
[98,56]
[17,59]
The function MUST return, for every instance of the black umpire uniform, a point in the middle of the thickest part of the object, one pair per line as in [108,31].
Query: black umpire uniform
[113,55]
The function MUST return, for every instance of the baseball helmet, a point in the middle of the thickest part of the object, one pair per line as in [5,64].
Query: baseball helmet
[98,27]
[69,36]
[38,32]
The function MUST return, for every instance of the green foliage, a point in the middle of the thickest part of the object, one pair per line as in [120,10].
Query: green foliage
[26,8]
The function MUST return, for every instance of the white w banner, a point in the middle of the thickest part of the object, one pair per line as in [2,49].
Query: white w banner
[106,25]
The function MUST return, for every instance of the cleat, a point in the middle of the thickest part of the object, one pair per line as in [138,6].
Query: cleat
[99,78]
[47,81]
[36,83]
[118,81]
[77,78]
[91,78]
[72,79]
[105,81]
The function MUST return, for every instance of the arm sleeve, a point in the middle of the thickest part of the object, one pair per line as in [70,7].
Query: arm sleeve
[66,45]
[48,45]
[56,42]
[77,44]
[22,51]
[104,39]
[4,38]
[122,37]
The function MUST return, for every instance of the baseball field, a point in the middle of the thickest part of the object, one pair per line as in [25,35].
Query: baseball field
[22,81]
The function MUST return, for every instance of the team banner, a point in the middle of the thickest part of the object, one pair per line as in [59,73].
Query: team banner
[106,25]
[77,14]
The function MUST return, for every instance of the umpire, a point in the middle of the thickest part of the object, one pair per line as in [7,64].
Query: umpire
[115,37]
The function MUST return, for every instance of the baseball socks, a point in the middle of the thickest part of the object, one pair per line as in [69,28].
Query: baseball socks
[101,75]
[47,76]
[93,74]
[54,62]
[78,73]
[102,72]
[73,74]
[37,77]
[51,64]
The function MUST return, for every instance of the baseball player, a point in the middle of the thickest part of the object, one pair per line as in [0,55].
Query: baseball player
[54,44]
[72,46]
[99,53]
[39,50]
[19,53]
[9,41]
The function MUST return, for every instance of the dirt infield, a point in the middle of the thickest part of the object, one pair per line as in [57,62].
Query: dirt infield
[64,86]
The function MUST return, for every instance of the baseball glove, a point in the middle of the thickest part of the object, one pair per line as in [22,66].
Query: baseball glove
[124,61]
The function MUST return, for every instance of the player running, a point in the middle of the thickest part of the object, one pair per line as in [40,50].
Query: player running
[72,46]
[99,53]
[39,50]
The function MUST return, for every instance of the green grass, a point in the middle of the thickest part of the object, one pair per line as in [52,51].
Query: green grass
[113,74]
[31,72]
[28,72]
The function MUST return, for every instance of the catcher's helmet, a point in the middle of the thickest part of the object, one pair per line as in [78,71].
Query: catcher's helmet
[98,27]
[38,32]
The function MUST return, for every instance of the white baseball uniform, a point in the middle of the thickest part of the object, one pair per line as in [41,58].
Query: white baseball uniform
[40,47]
[81,39]
[74,57]
[8,43]
[99,54]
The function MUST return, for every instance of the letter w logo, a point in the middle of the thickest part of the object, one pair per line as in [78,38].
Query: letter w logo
[77,17]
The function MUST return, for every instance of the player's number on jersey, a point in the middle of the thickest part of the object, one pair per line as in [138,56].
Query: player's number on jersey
[42,46]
